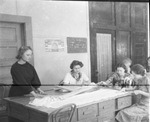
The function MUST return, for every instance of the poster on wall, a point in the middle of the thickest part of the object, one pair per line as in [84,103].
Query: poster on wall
[54,45]
[76,45]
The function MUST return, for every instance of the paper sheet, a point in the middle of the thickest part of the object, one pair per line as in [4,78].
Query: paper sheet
[80,99]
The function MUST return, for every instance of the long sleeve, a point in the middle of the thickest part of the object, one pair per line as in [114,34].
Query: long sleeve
[85,78]
[110,79]
[67,79]
[36,81]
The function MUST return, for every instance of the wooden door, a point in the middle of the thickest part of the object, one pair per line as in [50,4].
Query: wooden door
[10,41]
[102,54]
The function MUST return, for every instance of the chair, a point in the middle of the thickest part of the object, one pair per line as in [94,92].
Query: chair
[64,112]
[4,92]
[145,119]
[61,83]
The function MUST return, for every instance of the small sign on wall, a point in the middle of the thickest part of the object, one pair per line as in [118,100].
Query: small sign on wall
[76,45]
[54,45]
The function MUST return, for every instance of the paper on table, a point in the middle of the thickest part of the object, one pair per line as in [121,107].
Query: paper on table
[69,88]
[45,100]
[78,99]
[88,97]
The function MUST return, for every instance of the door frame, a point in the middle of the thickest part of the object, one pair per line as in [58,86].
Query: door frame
[26,27]
[93,51]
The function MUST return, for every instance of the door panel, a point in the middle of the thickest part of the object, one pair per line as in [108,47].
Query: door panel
[122,45]
[10,41]
[102,13]
[123,14]
[139,48]
[138,16]
[104,55]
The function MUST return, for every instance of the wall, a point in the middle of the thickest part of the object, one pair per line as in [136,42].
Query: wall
[148,30]
[53,20]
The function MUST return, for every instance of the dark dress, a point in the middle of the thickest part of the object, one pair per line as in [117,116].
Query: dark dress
[25,80]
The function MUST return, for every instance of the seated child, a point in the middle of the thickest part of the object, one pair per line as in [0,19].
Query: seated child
[119,79]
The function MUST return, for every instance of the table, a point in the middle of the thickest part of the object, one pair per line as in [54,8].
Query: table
[102,109]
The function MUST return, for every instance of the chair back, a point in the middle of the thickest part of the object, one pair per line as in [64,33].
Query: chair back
[56,114]
[4,92]
[61,83]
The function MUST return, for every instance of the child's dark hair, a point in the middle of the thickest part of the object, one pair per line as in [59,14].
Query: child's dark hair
[21,51]
[138,69]
[123,66]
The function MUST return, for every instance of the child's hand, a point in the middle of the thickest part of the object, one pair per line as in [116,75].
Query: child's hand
[102,83]
[127,81]
[136,92]
[92,84]
[117,87]
[123,89]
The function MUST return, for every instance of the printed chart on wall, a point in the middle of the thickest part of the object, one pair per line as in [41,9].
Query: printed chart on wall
[54,45]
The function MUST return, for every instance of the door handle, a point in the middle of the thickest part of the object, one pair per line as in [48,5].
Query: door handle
[96,72]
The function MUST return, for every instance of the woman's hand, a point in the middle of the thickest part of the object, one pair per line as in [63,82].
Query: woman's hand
[86,83]
[35,94]
[41,91]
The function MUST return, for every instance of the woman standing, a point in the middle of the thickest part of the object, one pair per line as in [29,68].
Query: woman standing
[25,78]
[136,112]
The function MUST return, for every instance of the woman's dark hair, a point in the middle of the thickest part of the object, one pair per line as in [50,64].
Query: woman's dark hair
[22,50]
[138,69]
[74,63]
[123,66]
